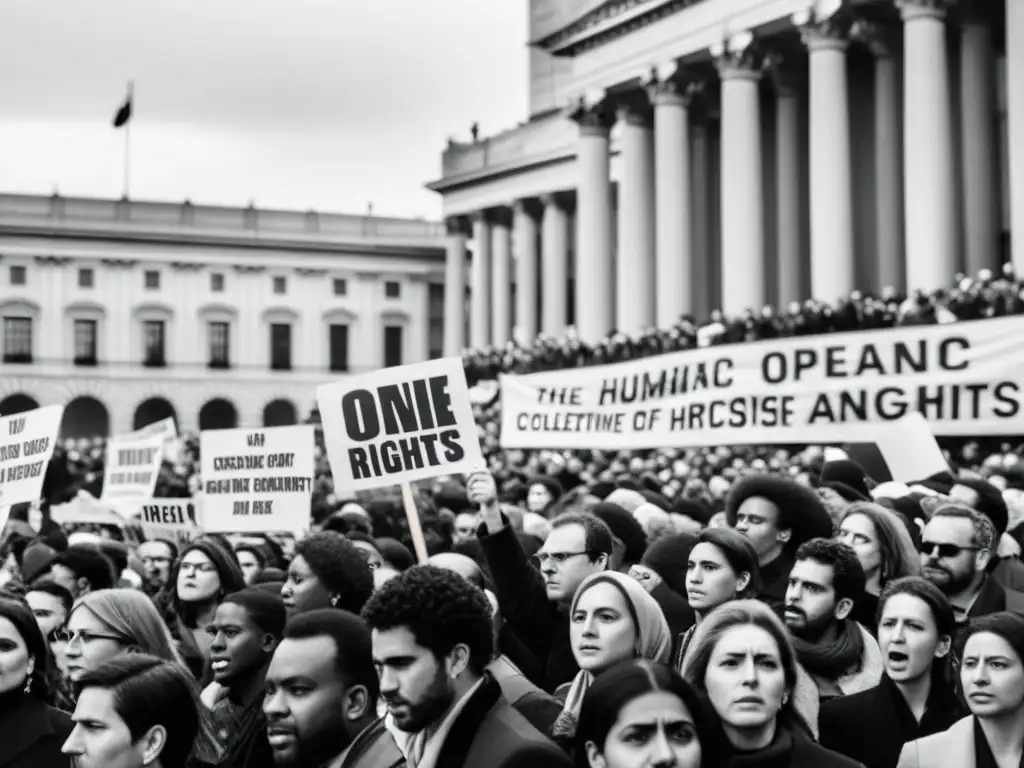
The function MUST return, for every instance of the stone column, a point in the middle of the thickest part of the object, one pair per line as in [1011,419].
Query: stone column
[673,233]
[480,279]
[1015,128]
[555,265]
[455,288]
[699,288]
[980,196]
[930,198]
[742,196]
[831,178]
[595,290]
[889,205]
[501,279]
[635,296]
[524,241]
[788,216]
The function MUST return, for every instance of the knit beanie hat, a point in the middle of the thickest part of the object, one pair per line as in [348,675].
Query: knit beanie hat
[668,557]
[395,553]
[36,561]
[340,566]
[846,478]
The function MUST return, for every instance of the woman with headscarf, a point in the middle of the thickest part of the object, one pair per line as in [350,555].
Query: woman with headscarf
[611,619]
[204,574]
[31,731]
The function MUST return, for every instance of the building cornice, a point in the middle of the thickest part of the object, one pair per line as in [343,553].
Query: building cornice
[607,22]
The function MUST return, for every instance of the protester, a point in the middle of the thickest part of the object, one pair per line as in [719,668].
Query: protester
[328,571]
[82,569]
[992,680]
[252,560]
[913,699]
[742,660]
[158,556]
[31,731]
[432,641]
[642,713]
[321,692]
[135,710]
[721,566]
[51,605]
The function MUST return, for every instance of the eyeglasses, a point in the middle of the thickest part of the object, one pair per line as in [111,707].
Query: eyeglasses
[67,636]
[197,568]
[558,558]
[945,550]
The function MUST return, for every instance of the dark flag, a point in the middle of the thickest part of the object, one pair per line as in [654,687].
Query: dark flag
[124,113]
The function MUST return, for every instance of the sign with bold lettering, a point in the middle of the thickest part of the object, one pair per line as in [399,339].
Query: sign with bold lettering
[964,378]
[132,468]
[256,479]
[399,424]
[173,519]
[27,441]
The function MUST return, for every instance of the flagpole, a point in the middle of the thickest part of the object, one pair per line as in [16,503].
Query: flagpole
[127,141]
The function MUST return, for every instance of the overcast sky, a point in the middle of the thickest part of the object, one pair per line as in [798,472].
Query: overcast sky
[325,104]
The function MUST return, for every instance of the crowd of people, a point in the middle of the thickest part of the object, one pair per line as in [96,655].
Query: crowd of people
[754,606]
[834,623]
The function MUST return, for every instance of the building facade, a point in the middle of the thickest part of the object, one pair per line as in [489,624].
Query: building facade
[687,155]
[129,312]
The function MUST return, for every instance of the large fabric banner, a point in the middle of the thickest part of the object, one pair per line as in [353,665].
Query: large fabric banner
[964,378]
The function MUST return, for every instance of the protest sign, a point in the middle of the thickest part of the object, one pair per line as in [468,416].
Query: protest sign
[399,425]
[964,378]
[132,468]
[173,519]
[163,428]
[256,479]
[27,441]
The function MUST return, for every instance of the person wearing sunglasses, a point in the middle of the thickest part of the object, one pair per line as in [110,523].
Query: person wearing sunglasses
[957,547]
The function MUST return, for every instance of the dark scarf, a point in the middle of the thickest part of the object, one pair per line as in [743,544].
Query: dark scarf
[983,757]
[832,661]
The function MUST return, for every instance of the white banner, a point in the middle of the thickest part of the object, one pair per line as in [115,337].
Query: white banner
[399,424]
[256,479]
[964,378]
[173,519]
[27,441]
[132,468]
[163,428]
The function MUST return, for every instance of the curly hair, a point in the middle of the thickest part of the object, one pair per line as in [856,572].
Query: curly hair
[440,608]
[848,578]
[341,567]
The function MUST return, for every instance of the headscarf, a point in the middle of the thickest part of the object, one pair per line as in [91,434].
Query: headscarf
[653,641]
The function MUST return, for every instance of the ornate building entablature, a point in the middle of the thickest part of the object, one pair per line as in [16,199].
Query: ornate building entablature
[609,21]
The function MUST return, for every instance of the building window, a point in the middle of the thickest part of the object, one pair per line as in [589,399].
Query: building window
[220,345]
[18,274]
[85,277]
[280,347]
[435,319]
[339,347]
[340,286]
[152,280]
[154,340]
[392,289]
[85,342]
[17,339]
[280,285]
[392,345]
[216,283]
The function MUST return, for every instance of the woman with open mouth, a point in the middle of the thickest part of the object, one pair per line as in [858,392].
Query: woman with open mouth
[992,681]
[913,698]
[611,619]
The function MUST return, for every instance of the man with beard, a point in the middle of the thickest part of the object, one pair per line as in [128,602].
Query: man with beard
[956,550]
[432,641]
[320,696]
[246,629]
[840,655]
[157,557]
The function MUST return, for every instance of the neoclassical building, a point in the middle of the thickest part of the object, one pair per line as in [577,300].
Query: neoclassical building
[129,312]
[687,155]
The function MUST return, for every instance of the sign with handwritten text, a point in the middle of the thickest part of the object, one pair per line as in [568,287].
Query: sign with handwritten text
[27,441]
[256,479]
